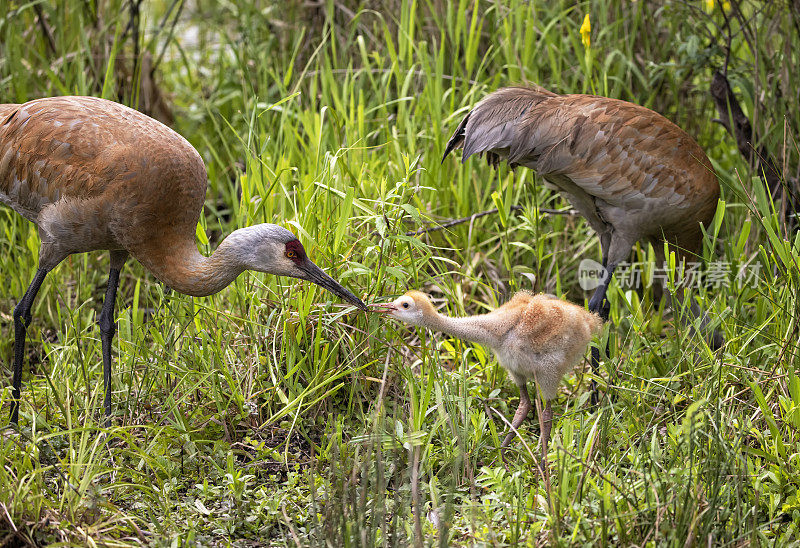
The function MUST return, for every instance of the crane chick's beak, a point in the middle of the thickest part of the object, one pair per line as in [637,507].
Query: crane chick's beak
[315,274]
[383,308]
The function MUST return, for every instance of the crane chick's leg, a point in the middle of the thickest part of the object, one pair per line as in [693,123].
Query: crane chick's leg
[108,326]
[545,425]
[22,319]
[522,411]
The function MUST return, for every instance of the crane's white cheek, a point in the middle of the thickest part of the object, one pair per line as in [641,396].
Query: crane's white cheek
[401,316]
[411,318]
[281,267]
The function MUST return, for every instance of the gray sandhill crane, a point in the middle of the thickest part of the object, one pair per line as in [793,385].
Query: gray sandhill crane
[93,174]
[535,337]
[633,174]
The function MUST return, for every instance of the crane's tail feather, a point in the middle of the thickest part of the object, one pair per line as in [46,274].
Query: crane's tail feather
[493,126]
[6,110]
[457,139]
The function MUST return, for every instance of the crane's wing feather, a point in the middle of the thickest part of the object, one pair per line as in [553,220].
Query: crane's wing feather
[619,152]
[60,147]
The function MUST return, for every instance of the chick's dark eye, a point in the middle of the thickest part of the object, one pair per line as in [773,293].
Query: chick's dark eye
[405,305]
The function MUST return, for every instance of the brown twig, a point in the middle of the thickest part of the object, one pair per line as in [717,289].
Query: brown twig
[454,222]
[288,522]
[51,41]
[171,29]
[738,125]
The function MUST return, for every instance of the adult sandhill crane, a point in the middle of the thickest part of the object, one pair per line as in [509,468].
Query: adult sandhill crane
[93,174]
[535,337]
[633,174]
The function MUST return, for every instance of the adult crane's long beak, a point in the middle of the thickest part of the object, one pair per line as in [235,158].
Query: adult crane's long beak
[315,274]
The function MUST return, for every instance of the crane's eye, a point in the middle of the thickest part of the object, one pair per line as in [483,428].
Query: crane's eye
[405,305]
[291,254]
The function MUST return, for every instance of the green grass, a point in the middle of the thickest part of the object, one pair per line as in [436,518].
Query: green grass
[271,414]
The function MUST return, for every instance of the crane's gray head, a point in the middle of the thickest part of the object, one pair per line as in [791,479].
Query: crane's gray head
[273,249]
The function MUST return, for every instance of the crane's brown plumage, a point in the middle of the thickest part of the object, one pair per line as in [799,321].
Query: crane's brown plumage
[626,168]
[535,337]
[633,174]
[93,174]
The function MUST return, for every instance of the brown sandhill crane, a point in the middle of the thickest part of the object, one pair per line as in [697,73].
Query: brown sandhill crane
[93,174]
[535,337]
[633,174]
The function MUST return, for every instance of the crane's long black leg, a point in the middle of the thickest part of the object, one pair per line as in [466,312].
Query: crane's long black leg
[108,326]
[598,303]
[22,319]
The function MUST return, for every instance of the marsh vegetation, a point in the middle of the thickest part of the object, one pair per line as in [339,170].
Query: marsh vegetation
[272,414]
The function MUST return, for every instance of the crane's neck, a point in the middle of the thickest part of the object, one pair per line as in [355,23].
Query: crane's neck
[184,269]
[472,328]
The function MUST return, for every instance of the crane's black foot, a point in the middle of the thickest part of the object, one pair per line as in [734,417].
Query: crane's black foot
[716,340]
[595,363]
[108,328]
[22,319]
[595,301]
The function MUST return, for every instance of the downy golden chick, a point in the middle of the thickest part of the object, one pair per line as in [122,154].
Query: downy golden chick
[536,337]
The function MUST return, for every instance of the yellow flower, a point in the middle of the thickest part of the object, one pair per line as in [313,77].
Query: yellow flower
[724,5]
[586,30]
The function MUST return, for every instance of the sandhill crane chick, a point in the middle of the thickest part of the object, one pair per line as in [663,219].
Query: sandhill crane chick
[93,174]
[536,337]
